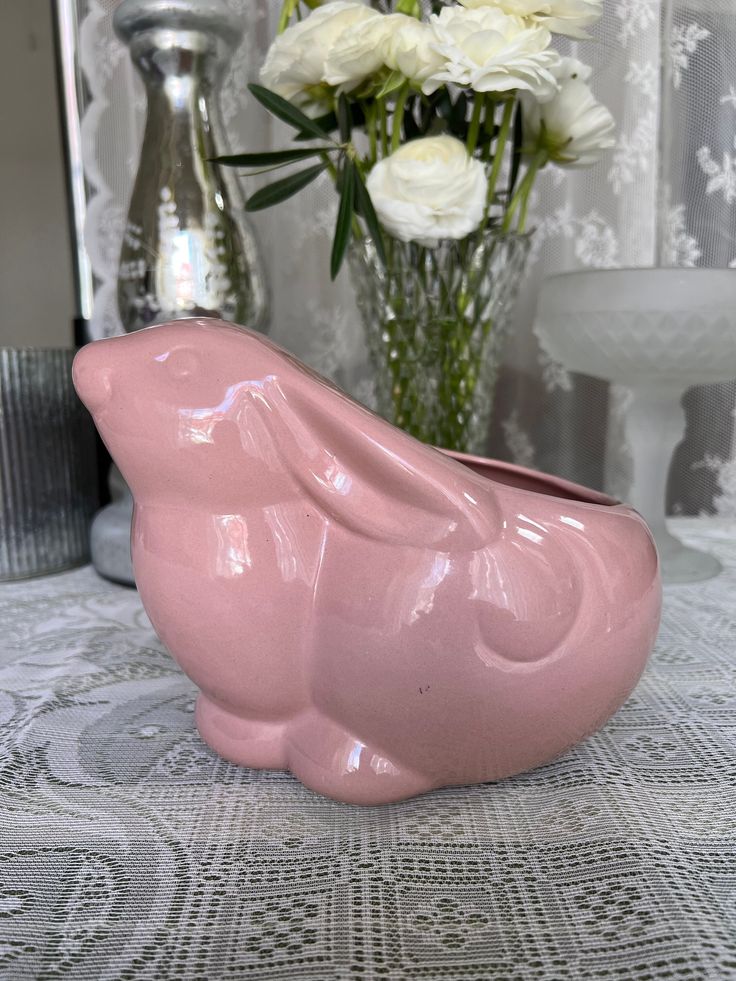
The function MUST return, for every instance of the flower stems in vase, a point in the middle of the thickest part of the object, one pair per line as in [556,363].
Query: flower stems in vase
[436,316]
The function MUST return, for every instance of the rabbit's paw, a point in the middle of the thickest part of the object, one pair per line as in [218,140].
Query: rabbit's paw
[247,742]
[329,760]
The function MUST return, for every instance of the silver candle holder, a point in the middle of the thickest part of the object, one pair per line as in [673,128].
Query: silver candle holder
[188,249]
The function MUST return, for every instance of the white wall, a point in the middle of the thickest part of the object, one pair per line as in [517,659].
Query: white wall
[36,291]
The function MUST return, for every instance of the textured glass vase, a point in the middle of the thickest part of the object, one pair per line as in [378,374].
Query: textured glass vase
[188,249]
[435,320]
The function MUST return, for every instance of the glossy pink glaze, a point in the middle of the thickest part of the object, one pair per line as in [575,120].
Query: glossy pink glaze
[357,607]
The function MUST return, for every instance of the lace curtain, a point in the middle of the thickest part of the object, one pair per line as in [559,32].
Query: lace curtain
[665,195]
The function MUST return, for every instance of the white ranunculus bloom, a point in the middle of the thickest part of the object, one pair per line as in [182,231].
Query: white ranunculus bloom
[492,52]
[572,68]
[359,51]
[296,59]
[573,127]
[570,17]
[411,50]
[429,189]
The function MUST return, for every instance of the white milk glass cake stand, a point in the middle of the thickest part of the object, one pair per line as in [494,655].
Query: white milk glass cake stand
[658,332]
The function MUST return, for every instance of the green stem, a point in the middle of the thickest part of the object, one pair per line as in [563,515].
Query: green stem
[539,161]
[488,124]
[331,168]
[287,9]
[525,206]
[521,197]
[369,109]
[398,117]
[384,126]
[475,124]
[503,135]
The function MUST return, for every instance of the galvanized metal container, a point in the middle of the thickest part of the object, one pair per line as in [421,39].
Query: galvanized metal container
[48,484]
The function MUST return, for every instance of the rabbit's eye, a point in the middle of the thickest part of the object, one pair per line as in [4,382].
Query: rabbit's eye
[181,363]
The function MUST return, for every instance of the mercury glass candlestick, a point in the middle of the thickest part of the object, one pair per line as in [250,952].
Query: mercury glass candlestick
[658,332]
[188,249]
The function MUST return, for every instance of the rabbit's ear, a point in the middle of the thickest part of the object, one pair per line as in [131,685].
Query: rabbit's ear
[379,482]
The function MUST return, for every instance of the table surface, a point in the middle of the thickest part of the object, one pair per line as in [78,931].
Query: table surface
[129,850]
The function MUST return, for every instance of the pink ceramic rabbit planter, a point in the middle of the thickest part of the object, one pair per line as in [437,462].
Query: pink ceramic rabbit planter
[356,607]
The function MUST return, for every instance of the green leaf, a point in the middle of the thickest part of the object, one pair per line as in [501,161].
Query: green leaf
[394,80]
[283,189]
[273,157]
[343,226]
[343,118]
[364,206]
[516,149]
[286,112]
[328,123]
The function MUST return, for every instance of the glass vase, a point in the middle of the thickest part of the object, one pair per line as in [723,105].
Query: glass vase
[435,320]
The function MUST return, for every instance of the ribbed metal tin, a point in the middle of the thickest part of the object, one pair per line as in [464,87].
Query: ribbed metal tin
[48,486]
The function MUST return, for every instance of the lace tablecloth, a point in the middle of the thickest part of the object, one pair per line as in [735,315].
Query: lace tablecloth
[128,850]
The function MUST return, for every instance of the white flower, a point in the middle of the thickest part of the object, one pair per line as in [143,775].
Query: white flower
[492,52]
[411,50]
[569,17]
[573,127]
[297,58]
[429,189]
[572,68]
[359,51]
